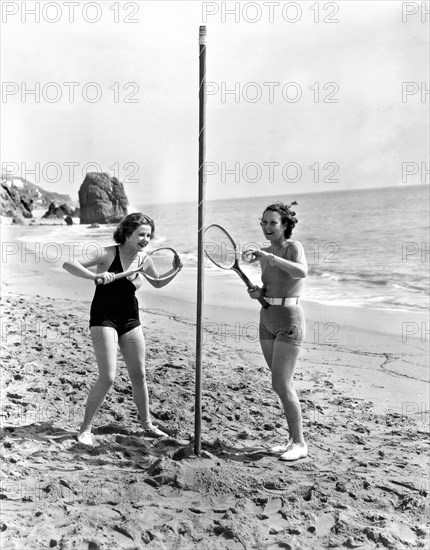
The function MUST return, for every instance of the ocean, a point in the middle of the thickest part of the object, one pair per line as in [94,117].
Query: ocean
[365,248]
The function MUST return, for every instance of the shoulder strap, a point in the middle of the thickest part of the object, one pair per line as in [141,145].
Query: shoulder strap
[117,261]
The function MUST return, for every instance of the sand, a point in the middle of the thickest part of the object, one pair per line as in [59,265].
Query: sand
[364,393]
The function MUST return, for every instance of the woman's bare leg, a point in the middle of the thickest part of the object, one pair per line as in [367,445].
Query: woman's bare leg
[284,360]
[267,347]
[132,346]
[105,348]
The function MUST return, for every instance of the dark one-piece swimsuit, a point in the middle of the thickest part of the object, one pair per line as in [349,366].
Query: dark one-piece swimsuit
[115,304]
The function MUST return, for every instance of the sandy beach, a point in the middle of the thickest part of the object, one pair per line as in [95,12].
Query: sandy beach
[362,381]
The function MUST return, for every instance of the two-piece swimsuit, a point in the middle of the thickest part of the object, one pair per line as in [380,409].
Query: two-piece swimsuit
[284,319]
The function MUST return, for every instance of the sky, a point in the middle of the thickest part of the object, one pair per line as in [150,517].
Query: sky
[328,95]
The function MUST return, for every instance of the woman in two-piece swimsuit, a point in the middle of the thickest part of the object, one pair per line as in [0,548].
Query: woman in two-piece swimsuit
[114,318]
[282,324]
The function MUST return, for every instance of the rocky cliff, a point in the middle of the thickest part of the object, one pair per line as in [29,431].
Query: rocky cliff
[18,197]
[14,204]
[102,199]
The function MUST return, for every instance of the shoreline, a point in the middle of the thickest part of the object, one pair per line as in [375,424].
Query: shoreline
[390,341]
[21,245]
[364,401]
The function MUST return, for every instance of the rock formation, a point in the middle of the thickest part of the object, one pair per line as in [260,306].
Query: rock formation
[14,204]
[18,197]
[102,199]
[58,211]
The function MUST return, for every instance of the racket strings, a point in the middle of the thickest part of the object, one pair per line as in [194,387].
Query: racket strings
[160,263]
[219,247]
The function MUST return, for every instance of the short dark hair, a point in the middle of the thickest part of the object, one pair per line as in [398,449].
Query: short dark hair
[129,224]
[287,216]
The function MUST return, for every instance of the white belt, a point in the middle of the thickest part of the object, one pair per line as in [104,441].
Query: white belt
[282,301]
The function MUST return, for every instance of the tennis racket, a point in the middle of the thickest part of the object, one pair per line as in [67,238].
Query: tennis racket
[159,264]
[222,251]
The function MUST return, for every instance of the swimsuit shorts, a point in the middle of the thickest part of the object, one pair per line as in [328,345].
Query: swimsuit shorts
[283,323]
[121,325]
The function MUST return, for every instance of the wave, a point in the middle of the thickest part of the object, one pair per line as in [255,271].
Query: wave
[356,299]
[370,279]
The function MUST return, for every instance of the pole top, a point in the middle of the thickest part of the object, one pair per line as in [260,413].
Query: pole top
[202,35]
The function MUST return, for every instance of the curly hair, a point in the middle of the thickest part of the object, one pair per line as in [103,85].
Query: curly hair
[129,224]
[287,216]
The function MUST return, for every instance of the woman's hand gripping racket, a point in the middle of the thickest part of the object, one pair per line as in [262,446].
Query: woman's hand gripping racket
[222,251]
[157,265]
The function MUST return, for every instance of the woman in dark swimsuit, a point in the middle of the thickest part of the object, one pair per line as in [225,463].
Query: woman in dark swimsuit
[282,324]
[114,318]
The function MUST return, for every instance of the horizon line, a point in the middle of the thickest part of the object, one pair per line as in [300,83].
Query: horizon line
[403,185]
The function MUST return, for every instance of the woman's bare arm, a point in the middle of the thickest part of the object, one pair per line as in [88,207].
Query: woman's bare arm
[296,265]
[76,268]
[80,269]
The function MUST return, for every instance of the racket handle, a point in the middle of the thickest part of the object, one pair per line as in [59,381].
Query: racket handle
[99,281]
[263,302]
[250,285]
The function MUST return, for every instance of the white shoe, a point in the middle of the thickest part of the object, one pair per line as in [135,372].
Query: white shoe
[279,449]
[85,438]
[153,431]
[295,452]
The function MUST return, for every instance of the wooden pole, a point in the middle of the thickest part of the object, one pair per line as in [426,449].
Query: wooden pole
[200,241]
